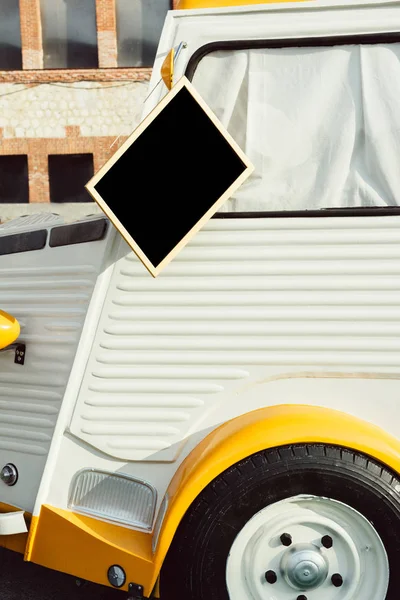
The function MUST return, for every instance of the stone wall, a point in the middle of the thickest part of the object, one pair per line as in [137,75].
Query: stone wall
[45,110]
[66,118]
[63,111]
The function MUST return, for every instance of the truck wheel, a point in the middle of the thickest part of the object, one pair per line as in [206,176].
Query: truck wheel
[300,522]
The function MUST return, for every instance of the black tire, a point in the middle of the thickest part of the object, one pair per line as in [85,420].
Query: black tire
[196,562]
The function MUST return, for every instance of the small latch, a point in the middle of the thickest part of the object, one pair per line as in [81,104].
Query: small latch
[135,592]
[20,352]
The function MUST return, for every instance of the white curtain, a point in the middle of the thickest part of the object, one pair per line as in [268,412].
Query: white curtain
[321,125]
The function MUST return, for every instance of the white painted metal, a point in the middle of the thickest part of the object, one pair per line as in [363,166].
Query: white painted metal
[12,523]
[169,351]
[371,394]
[51,480]
[48,291]
[159,521]
[252,313]
[30,222]
[270,21]
[306,567]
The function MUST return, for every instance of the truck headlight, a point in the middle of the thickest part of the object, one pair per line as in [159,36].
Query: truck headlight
[113,497]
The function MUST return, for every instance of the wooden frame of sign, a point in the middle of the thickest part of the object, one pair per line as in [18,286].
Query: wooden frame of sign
[183,83]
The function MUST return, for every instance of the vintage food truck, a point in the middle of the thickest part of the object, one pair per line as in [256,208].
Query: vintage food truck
[231,429]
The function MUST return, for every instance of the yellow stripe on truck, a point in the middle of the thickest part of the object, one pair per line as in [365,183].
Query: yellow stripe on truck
[192,4]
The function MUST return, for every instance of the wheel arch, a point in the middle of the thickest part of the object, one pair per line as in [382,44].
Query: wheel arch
[261,430]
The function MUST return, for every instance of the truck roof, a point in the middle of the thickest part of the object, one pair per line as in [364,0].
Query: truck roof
[188,4]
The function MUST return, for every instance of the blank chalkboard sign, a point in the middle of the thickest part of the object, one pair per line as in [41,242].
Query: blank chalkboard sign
[169,177]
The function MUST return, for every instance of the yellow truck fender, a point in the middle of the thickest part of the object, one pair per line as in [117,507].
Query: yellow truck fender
[256,431]
[90,546]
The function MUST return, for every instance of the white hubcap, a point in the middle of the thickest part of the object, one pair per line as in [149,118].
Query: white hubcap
[307,548]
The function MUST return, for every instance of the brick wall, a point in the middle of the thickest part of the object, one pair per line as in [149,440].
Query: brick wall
[38,150]
[106,33]
[63,111]
[33,77]
[31,34]
[66,118]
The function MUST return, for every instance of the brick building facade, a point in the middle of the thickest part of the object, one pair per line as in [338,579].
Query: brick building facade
[73,78]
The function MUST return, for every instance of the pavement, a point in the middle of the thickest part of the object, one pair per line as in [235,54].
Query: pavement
[26,581]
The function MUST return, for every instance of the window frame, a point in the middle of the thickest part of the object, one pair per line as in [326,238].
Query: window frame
[309,42]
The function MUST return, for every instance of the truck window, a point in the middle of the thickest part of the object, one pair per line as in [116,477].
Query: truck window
[320,124]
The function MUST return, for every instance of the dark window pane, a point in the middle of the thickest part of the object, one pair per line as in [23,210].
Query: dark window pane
[68,174]
[10,35]
[69,34]
[14,187]
[139,25]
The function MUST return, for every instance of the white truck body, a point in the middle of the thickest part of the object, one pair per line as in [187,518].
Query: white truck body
[127,374]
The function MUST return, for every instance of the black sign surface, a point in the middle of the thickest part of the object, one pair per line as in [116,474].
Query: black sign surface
[169,177]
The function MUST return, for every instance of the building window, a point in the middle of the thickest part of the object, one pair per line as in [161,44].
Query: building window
[69,34]
[139,25]
[14,187]
[10,36]
[68,175]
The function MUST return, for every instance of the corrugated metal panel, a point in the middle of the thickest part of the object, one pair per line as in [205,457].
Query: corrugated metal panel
[48,291]
[51,306]
[315,293]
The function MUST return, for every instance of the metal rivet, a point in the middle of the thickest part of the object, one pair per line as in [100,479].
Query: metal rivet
[337,580]
[286,539]
[327,541]
[9,474]
[271,577]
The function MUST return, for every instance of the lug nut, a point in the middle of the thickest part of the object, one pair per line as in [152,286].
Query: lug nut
[271,577]
[286,539]
[327,541]
[337,580]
